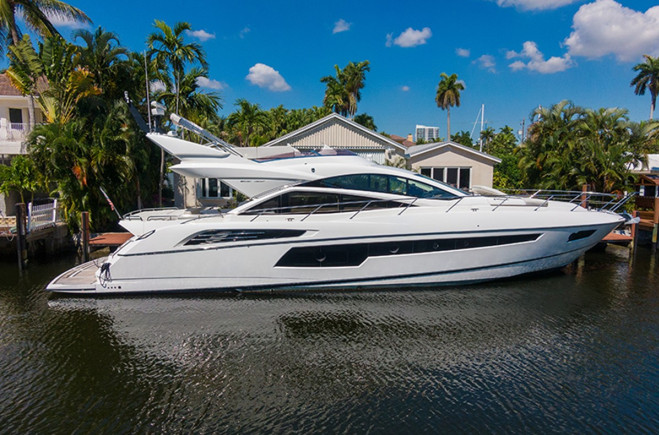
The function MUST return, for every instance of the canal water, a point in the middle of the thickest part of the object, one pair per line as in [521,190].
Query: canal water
[571,351]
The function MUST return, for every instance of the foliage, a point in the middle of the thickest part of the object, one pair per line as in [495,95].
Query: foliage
[36,14]
[343,91]
[569,146]
[463,138]
[171,53]
[21,175]
[105,59]
[68,80]
[647,78]
[247,121]
[448,95]
[79,157]
[366,120]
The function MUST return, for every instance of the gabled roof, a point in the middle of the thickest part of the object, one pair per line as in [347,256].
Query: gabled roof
[403,140]
[418,150]
[6,88]
[338,119]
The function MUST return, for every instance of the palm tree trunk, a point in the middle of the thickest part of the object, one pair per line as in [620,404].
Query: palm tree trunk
[448,123]
[11,18]
[30,112]
[652,106]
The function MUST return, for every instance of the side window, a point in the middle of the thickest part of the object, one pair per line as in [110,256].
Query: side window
[305,202]
[398,185]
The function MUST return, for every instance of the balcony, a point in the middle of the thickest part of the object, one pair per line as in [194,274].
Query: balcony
[12,137]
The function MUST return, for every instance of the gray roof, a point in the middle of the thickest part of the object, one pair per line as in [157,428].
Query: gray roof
[335,117]
[416,150]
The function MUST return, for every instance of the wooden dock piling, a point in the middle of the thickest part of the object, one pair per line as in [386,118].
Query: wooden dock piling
[84,218]
[21,234]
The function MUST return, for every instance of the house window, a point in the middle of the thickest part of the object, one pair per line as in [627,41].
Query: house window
[455,176]
[16,119]
[214,188]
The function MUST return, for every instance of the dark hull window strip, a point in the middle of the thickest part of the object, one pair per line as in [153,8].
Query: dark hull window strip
[580,235]
[356,254]
[223,236]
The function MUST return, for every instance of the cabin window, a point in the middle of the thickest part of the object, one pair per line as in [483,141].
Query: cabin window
[308,202]
[214,188]
[384,184]
[454,176]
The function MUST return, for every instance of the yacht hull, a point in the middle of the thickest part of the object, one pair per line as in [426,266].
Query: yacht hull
[258,266]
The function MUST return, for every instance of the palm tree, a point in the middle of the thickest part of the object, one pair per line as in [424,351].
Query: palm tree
[105,59]
[354,77]
[647,78]
[248,120]
[169,48]
[68,82]
[366,120]
[194,104]
[343,91]
[36,15]
[336,96]
[448,95]
[487,136]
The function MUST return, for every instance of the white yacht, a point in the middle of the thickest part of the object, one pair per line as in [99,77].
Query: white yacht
[335,221]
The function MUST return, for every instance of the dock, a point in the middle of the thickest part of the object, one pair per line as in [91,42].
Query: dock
[109,240]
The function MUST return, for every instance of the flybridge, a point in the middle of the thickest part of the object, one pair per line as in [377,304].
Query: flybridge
[211,138]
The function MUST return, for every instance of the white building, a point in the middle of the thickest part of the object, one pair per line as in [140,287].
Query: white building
[14,129]
[428,134]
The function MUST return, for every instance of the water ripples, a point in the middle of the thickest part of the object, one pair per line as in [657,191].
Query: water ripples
[573,351]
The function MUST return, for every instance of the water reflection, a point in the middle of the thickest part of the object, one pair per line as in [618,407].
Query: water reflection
[569,351]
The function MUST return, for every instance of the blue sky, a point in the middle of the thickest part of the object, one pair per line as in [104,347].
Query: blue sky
[512,55]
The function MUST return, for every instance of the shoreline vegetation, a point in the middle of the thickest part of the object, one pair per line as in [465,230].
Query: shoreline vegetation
[89,141]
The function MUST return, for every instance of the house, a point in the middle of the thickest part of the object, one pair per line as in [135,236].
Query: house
[405,141]
[339,132]
[14,129]
[453,163]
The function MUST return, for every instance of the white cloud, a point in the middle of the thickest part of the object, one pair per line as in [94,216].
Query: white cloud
[62,21]
[341,26]
[265,76]
[244,32]
[536,60]
[205,82]
[535,5]
[462,52]
[157,86]
[390,40]
[487,62]
[201,35]
[606,27]
[405,88]
[410,37]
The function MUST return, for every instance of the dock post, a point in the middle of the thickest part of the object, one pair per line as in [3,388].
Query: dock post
[584,196]
[21,233]
[85,235]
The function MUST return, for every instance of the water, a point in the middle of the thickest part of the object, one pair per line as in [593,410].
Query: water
[572,351]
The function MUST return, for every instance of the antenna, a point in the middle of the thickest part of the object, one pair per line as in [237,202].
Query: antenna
[480,141]
[482,109]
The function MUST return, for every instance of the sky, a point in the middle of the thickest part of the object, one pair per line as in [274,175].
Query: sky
[511,55]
